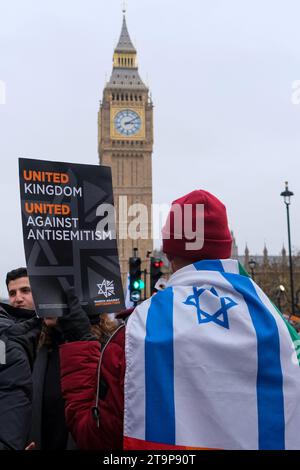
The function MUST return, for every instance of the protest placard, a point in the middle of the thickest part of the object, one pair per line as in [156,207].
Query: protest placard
[69,235]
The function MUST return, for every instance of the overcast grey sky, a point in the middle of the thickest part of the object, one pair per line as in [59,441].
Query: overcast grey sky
[220,73]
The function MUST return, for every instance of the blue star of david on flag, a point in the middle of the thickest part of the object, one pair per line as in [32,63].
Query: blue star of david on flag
[209,299]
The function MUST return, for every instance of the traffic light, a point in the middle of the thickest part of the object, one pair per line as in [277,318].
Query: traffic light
[136,284]
[155,272]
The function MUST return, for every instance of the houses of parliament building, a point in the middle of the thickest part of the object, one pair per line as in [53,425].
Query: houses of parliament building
[272,274]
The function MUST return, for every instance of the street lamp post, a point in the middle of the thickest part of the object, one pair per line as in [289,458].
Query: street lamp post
[287,194]
[252,266]
[280,293]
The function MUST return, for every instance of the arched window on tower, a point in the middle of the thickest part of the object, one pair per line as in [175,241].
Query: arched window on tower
[122,97]
[132,173]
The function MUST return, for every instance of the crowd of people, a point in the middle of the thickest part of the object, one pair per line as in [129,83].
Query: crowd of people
[206,363]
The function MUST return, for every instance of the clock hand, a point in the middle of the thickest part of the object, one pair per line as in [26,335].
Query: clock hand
[132,120]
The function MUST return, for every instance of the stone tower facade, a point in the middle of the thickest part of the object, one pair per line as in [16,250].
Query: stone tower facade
[125,143]
[272,275]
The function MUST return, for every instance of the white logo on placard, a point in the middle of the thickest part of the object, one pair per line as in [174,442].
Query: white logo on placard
[106,288]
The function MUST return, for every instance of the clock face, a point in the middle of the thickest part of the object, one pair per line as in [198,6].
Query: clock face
[127,122]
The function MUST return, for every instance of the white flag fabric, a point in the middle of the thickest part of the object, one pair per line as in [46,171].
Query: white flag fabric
[211,364]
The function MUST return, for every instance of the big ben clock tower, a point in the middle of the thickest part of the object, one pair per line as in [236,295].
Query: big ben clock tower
[125,139]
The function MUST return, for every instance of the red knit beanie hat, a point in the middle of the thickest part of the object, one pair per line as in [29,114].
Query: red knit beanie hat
[197,228]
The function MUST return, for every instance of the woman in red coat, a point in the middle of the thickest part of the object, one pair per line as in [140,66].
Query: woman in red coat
[94,402]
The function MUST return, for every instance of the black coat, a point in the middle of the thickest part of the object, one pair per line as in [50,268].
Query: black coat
[49,431]
[19,338]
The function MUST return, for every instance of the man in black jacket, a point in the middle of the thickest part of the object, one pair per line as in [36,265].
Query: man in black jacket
[48,427]
[19,331]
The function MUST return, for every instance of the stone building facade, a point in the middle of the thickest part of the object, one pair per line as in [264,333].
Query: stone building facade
[272,274]
[125,143]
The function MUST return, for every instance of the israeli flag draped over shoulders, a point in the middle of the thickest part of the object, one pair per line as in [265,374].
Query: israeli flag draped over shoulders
[211,364]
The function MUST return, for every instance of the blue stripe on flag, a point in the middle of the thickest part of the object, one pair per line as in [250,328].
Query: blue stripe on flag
[159,369]
[209,265]
[270,403]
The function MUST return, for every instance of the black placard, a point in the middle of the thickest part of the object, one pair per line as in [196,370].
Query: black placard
[70,236]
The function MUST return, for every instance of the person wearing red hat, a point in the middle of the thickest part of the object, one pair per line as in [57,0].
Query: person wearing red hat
[179,374]
[196,228]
